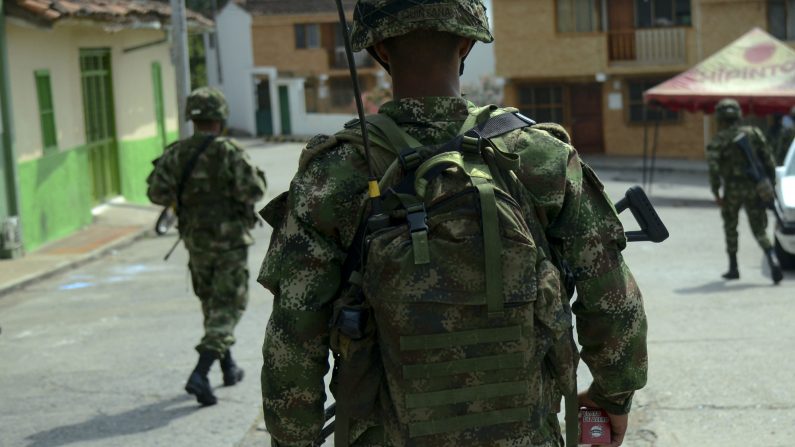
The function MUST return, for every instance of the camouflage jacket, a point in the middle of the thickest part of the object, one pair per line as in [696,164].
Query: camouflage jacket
[727,163]
[218,198]
[303,265]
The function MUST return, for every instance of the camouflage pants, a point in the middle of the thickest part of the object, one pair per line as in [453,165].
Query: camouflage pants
[220,280]
[743,195]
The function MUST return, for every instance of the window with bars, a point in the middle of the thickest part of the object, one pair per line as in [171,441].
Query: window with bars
[49,136]
[637,115]
[307,35]
[543,103]
[656,13]
[580,16]
[781,18]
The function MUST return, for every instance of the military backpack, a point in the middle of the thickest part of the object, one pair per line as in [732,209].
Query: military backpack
[455,310]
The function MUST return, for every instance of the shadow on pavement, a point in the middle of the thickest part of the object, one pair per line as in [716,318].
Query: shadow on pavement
[718,287]
[103,426]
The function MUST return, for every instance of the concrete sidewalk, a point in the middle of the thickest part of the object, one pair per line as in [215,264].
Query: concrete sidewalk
[116,225]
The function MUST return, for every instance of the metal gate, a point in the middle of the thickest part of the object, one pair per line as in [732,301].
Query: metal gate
[95,73]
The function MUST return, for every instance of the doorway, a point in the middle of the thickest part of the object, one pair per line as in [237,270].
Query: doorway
[587,127]
[284,109]
[264,113]
[100,122]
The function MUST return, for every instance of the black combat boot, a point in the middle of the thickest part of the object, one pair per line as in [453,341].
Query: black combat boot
[733,273]
[232,374]
[775,267]
[198,384]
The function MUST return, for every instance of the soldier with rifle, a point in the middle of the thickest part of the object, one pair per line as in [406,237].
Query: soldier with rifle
[450,322]
[741,163]
[213,185]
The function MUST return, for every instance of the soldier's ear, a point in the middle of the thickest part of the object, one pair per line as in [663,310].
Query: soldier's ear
[381,52]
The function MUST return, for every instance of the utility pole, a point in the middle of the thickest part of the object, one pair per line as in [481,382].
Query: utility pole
[10,231]
[179,55]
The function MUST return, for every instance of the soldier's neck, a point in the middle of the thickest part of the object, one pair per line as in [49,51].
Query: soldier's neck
[420,85]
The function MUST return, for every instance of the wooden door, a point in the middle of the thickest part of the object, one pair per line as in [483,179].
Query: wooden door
[621,29]
[587,127]
[100,122]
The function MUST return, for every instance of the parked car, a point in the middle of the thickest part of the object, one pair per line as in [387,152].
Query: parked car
[785,210]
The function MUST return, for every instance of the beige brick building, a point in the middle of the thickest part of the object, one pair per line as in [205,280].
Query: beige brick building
[586,63]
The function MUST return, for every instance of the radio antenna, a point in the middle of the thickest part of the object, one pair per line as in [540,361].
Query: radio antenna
[372,181]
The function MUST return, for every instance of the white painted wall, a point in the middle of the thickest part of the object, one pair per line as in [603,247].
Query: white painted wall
[58,50]
[233,37]
[307,124]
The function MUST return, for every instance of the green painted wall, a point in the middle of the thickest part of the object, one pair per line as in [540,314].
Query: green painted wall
[55,196]
[135,164]
[55,190]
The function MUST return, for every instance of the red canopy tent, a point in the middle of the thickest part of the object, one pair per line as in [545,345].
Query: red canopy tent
[757,70]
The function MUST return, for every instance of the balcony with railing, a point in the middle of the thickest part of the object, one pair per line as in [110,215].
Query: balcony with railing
[648,46]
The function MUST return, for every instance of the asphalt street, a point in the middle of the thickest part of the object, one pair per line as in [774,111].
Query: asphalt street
[98,356]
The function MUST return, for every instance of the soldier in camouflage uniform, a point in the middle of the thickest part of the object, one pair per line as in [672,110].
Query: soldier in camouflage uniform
[728,169]
[423,45]
[215,212]
[784,140]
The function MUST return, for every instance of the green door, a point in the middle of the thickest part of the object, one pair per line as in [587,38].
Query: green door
[160,113]
[100,122]
[264,115]
[284,107]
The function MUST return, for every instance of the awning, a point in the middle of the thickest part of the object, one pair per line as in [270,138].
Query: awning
[757,70]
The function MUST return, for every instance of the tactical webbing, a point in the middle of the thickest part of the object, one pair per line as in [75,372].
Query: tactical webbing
[492,246]
[502,361]
[396,136]
[469,421]
[500,124]
[472,393]
[461,338]
[187,170]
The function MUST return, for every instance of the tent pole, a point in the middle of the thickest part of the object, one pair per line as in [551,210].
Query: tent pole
[654,151]
[645,141]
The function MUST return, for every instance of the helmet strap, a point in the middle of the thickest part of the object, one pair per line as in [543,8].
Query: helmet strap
[378,59]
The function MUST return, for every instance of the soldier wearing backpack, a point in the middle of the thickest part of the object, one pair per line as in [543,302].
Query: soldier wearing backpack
[445,305]
[213,185]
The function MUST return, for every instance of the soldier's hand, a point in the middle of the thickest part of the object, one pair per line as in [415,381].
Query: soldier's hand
[618,422]
[719,200]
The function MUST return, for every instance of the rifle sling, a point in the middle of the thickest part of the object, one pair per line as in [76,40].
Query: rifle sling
[187,170]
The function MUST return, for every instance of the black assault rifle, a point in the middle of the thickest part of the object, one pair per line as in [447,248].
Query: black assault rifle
[754,170]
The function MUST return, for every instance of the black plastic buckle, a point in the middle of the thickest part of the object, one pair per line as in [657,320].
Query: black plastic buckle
[409,159]
[416,217]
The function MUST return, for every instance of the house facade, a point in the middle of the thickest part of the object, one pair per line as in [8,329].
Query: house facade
[587,63]
[283,68]
[92,98]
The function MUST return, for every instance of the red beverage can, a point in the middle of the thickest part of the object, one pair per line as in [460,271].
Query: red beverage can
[594,426]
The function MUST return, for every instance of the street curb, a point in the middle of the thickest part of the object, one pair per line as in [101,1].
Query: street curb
[286,139]
[77,262]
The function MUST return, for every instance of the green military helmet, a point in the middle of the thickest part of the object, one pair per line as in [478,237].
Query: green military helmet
[728,109]
[377,20]
[206,103]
